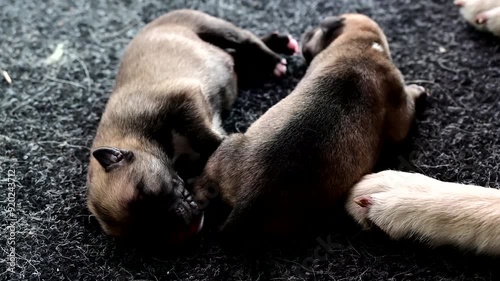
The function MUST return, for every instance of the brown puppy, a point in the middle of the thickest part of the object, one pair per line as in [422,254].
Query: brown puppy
[173,83]
[304,154]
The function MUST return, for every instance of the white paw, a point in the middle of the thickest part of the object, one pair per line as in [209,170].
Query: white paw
[360,199]
[482,14]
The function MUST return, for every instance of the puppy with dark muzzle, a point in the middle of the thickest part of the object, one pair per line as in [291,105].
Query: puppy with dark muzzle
[163,117]
[301,158]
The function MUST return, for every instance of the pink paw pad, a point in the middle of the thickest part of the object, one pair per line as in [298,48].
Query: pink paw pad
[481,18]
[293,45]
[459,3]
[280,69]
[363,201]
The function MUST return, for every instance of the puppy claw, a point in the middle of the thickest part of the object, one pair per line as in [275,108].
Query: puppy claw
[363,201]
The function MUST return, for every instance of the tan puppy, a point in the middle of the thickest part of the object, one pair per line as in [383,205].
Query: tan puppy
[482,14]
[163,117]
[406,205]
[304,154]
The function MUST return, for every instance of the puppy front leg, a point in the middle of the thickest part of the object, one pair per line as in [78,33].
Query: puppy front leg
[193,141]
[198,132]
[190,119]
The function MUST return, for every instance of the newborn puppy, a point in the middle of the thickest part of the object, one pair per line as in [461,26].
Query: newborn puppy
[306,152]
[164,112]
[482,14]
[412,205]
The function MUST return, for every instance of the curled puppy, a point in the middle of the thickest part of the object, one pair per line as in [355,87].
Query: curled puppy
[304,154]
[164,116]
[406,205]
[482,14]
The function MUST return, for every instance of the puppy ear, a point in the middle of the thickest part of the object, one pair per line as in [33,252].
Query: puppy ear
[110,157]
[331,24]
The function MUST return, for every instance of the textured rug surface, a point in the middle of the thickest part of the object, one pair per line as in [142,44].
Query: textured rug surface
[62,57]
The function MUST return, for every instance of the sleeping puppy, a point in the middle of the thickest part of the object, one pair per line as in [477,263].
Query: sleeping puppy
[174,80]
[482,14]
[406,205]
[305,153]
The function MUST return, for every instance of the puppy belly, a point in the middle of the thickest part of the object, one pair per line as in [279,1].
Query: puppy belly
[438,213]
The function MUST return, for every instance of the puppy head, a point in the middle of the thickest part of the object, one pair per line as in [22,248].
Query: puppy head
[138,195]
[339,28]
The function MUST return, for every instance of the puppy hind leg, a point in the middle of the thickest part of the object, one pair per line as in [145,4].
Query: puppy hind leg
[216,31]
[281,43]
[251,55]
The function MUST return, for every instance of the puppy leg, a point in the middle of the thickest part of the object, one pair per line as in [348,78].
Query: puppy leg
[412,205]
[384,181]
[190,118]
[194,138]
[402,114]
[247,49]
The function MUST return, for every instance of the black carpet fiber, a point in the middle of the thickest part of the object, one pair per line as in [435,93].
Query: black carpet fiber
[62,57]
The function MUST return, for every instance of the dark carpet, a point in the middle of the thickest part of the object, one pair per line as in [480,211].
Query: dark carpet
[62,57]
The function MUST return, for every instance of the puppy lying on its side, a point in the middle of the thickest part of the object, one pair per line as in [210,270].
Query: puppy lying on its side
[173,82]
[482,14]
[305,153]
[412,205]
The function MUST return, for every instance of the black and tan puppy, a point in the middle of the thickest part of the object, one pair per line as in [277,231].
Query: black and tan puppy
[174,80]
[303,155]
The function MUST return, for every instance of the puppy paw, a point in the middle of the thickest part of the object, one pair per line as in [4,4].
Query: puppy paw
[480,13]
[280,69]
[282,43]
[293,46]
[416,91]
[361,198]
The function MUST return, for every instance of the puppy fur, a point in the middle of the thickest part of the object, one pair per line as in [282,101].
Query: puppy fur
[174,81]
[304,154]
[482,14]
[406,205]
